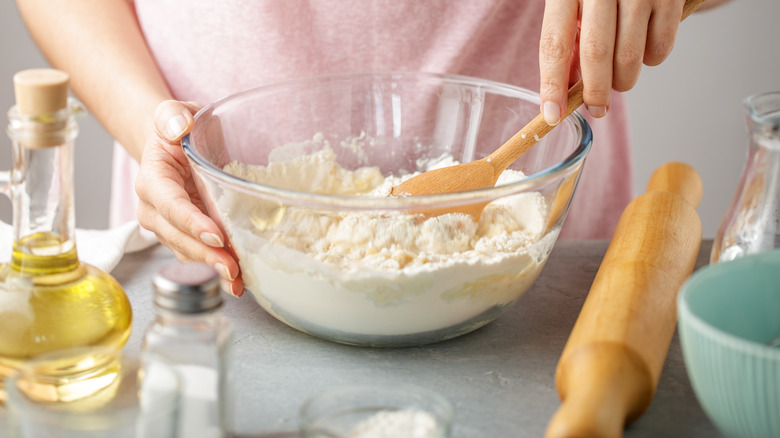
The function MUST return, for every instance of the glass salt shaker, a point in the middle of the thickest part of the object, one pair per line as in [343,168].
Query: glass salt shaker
[191,333]
[752,222]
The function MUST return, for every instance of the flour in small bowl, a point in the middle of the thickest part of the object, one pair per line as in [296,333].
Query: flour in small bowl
[378,273]
[405,423]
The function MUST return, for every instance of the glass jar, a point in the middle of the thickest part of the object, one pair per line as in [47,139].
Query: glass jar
[752,222]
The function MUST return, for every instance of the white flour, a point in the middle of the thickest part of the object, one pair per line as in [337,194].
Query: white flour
[379,272]
[395,424]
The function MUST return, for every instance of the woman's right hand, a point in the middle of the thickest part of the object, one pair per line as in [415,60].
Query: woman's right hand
[170,205]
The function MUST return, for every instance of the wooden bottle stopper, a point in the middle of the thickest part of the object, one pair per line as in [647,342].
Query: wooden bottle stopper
[41,92]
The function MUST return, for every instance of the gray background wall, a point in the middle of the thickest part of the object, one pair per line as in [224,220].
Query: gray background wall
[93,145]
[688,109]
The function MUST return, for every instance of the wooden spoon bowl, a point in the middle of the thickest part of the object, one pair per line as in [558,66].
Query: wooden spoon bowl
[484,172]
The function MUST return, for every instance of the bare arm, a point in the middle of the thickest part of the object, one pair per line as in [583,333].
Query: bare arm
[99,43]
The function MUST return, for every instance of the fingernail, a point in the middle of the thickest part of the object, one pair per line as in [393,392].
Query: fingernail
[228,287]
[175,126]
[211,239]
[224,272]
[597,111]
[552,113]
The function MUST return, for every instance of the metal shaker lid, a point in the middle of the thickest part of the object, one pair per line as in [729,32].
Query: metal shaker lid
[190,287]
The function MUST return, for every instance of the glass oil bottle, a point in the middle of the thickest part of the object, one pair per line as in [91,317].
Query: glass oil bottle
[50,302]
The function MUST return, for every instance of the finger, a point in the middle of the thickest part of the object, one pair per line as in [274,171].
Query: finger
[161,182]
[235,287]
[173,119]
[574,70]
[188,249]
[630,45]
[174,238]
[180,256]
[559,28]
[175,207]
[597,47]
[662,31]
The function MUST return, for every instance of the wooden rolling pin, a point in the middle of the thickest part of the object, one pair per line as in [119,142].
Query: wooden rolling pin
[609,369]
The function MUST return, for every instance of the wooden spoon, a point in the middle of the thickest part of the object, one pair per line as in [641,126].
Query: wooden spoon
[485,172]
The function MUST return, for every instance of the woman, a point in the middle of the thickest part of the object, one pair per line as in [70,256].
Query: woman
[144,67]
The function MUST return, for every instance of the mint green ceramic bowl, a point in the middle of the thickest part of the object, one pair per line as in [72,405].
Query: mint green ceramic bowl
[729,313]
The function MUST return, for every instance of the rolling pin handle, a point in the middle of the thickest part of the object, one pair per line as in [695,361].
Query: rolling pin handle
[607,386]
[678,178]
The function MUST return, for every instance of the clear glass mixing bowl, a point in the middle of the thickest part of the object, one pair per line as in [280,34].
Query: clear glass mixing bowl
[365,269]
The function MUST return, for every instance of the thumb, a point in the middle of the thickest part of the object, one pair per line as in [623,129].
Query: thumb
[172,120]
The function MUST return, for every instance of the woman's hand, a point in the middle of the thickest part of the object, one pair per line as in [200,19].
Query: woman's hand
[170,205]
[605,42]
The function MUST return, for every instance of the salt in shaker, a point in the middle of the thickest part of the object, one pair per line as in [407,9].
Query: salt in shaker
[191,333]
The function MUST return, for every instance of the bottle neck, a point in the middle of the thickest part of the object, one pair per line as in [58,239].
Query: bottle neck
[42,192]
[195,322]
[762,112]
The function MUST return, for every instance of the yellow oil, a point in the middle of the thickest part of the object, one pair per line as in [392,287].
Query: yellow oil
[53,305]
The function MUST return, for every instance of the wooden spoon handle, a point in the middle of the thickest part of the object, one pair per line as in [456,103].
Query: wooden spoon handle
[531,133]
[690,7]
[538,128]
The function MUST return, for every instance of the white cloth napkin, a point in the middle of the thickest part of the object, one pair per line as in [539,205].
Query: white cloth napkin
[100,248]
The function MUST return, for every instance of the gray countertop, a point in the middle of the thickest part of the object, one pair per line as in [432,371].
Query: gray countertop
[499,378]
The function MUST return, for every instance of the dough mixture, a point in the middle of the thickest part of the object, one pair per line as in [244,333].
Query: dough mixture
[378,273]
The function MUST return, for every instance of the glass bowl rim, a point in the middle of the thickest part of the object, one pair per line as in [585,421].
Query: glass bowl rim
[528,183]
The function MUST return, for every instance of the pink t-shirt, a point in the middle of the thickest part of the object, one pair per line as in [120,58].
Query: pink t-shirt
[209,50]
